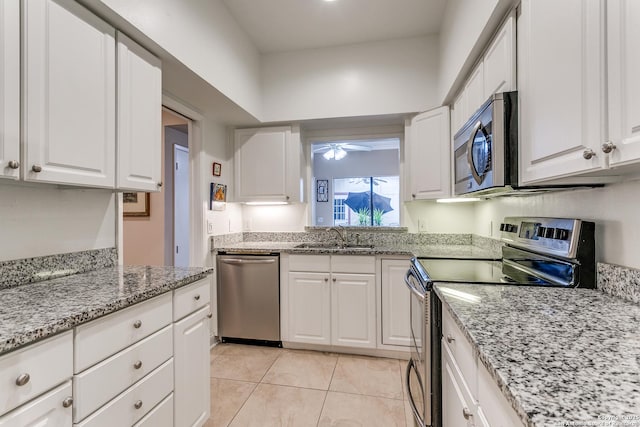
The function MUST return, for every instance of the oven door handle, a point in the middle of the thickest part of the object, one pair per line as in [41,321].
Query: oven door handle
[412,288]
[407,384]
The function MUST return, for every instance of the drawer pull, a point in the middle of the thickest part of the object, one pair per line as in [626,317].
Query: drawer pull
[210,315]
[138,404]
[138,364]
[68,401]
[137,324]
[22,379]
[450,339]
[466,413]
[196,297]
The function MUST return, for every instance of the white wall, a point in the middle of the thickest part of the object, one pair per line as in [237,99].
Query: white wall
[38,220]
[394,76]
[204,36]
[615,210]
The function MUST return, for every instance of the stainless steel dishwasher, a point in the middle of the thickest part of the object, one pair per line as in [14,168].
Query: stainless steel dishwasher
[249,298]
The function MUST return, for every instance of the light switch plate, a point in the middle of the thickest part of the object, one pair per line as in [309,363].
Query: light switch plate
[209,227]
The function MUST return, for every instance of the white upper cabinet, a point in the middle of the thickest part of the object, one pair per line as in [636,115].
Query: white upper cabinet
[561,83]
[9,88]
[624,81]
[69,95]
[499,62]
[428,156]
[268,164]
[139,117]
[474,91]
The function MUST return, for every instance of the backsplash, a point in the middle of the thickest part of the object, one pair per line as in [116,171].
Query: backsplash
[29,270]
[616,280]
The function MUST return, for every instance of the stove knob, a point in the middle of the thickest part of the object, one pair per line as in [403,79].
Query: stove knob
[561,234]
[548,233]
[541,231]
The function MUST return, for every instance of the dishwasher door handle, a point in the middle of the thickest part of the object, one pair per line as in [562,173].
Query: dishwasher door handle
[247,261]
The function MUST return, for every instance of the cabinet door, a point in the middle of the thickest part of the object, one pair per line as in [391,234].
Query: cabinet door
[561,88]
[264,150]
[428,155]
[309,308]
[139,117]
[353,310]
[396,326]
[624,86]
[459,113]
[474,90]
[9,88]
[51,409]
[192,366]
[500,60]
[457,405]
[69,102]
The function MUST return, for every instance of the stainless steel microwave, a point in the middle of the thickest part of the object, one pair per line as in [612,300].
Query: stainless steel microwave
[486,148]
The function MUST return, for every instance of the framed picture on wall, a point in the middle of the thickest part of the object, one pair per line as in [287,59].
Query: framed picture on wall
[136,204]
[322,190]
[217,169]
[217,195]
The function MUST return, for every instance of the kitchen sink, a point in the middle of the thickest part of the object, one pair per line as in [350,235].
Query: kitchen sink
[313,245]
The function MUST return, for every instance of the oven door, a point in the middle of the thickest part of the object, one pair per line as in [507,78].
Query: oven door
[418,374]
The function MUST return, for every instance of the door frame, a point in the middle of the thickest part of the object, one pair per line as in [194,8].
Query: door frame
[176,147]
[197,200]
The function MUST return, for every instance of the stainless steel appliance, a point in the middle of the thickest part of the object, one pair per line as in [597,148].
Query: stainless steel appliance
[486,147]
[249,298]
[556,252]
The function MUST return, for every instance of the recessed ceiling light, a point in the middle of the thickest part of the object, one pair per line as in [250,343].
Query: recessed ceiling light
[329,1]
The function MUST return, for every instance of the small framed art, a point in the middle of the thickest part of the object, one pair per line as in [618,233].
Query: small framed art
[322,190]
[217,169]
[136,204]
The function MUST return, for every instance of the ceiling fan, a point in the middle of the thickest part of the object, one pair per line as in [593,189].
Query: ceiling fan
[337,151]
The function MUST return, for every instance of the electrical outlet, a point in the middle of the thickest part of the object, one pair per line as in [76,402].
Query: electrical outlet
[209,227]
[422,225]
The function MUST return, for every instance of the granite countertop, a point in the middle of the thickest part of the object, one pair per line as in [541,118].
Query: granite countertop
[560,356]
[34,311]
[427,251]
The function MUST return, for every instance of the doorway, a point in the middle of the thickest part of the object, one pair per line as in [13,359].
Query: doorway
[181,206]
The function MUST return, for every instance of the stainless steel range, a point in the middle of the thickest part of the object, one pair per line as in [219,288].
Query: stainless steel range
[557,252]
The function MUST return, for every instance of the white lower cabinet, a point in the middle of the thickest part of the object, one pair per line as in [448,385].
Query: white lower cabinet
[395,301]
[160,416]
[457,403]
[333,302]
[51,409]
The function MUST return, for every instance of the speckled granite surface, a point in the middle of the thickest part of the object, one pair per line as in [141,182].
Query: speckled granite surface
[560,356]
[29,270]
[34,311]
[623,282]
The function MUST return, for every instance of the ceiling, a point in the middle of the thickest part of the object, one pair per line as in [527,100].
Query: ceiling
[283,25]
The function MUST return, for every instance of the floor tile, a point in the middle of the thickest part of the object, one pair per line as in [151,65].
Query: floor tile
[227,397]
[249,366]
[403,369]
[343,409]
[302,369]
[244,350]
[371,376]
[408,414]
[276,406]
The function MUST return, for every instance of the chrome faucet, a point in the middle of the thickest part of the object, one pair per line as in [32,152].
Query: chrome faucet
[342,233]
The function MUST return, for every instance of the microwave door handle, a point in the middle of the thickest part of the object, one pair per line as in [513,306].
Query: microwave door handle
[412,288]
[477,178]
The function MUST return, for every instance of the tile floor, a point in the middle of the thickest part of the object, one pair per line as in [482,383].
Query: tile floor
[262,386]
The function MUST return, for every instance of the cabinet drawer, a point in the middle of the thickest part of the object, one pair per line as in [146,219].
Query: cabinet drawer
[97,340]
[320,263]
[46,410]
[353,264]
[190,298]
[461,350]
[160,416]
[102,382]
[133,404]
[41,366]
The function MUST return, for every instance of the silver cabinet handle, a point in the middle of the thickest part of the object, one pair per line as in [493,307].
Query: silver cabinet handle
[137,324]
[450,339]
[588,154]
[36,168]
[334,279]
[159,184]
[247,261]
[326,279]
[210,315]
[22,379]
[196,297]
[138,404]
[466,413]
[608,147]
[14,164]
[138,364]
[68,401]
[413,195]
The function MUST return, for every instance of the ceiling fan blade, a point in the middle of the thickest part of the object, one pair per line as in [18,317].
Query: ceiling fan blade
[321,148]
[354,147]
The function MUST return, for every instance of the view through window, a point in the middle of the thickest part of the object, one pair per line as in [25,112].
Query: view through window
[357,183]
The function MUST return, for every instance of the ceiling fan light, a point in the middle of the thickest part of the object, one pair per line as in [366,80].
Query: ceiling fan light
[329,154]
[340,153]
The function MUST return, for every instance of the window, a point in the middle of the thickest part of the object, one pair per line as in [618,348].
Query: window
[364,182]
